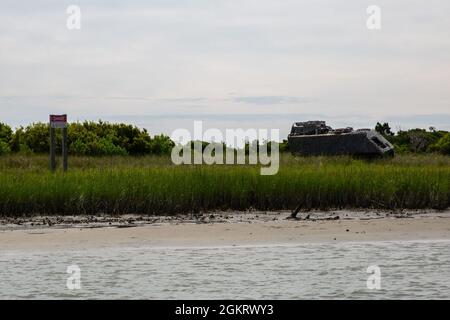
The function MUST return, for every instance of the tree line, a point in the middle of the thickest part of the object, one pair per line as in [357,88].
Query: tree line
[416,140]
[102,139]
[86,138]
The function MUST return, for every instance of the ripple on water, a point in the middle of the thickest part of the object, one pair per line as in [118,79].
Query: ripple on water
[409,270]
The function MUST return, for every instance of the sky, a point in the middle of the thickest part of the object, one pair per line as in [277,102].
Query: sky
[161,64]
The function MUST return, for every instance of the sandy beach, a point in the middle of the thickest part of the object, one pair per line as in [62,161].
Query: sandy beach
[220,229]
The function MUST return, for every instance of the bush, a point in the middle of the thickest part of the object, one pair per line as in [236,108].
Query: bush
[5,133]
[415,140]
[102,138]
[443,145]
[37,137]
[78,147]
[161,145]
[4,148]
[105,147]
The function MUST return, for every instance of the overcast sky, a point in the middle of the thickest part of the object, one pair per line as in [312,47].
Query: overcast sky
[161,64]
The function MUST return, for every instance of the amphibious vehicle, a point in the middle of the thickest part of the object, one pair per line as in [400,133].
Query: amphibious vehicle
[316,138]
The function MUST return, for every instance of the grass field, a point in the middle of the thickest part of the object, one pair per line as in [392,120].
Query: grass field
[152,185]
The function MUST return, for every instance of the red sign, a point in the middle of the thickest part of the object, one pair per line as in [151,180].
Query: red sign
[58,121]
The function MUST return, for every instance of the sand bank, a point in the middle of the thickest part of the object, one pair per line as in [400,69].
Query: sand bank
[220,229]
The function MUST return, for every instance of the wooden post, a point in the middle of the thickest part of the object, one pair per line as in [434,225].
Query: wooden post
[58,121]
[64,148]
[52,149]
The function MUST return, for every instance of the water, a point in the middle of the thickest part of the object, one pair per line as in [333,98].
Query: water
[409,270]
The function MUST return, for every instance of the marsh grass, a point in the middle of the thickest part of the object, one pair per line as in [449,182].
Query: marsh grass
[152,185]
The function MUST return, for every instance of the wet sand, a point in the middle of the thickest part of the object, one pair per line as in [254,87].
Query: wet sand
[220,229]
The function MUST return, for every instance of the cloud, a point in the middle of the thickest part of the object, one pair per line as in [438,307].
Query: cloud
[270,100]
[224,57]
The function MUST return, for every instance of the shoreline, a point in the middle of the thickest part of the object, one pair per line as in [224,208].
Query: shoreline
[221,229]
[136,220]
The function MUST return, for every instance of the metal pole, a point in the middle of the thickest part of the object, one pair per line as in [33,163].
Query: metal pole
[64,149]
[52,150]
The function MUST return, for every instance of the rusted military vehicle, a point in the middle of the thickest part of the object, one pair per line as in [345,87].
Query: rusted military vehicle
[316,138]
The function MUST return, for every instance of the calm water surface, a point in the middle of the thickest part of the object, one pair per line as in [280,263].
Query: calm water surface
[409,269]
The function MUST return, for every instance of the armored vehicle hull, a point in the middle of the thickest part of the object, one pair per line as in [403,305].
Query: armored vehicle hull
[314,138]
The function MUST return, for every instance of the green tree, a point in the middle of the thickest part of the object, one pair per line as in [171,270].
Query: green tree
[6,133]
[384,129]
[161,145]
[442,145]
[416,140]
[37,137]
[4,148]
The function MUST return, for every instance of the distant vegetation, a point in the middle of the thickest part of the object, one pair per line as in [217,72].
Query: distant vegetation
[417,140]
[87,138]
[108,139]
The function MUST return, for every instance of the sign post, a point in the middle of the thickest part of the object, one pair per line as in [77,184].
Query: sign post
[64,148]
[52,149]
[58,121]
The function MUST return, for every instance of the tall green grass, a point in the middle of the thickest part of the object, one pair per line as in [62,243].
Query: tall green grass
[152,185]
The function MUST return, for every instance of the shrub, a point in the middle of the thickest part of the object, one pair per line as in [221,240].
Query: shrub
[37,137]
[5,133]
[4,148]
[442,145]
[105,147]
[161,145]
[415,140]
